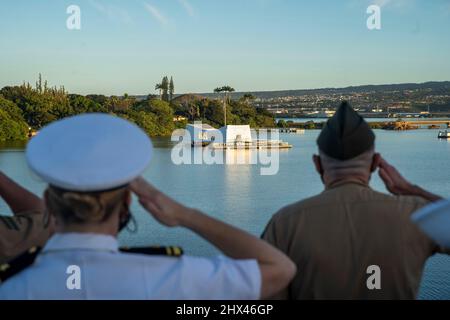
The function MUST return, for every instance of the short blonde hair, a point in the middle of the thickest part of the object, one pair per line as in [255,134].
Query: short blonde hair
[84,207]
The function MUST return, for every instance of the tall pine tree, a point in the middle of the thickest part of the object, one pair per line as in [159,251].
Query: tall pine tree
[171,89]
[165,89]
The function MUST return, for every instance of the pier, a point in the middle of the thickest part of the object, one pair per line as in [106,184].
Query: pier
[422,122]
[395,124]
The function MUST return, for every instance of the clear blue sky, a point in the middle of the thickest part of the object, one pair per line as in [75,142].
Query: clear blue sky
[127,45]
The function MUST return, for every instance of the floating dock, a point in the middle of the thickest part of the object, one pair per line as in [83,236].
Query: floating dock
[260,144]
[292,130]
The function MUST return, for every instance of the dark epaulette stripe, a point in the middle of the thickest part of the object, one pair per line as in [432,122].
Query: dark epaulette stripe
[9,222]
[26,259]
[162,251]
[18,264]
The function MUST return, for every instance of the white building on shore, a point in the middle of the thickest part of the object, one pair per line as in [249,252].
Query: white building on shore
[236,134]
[230,137]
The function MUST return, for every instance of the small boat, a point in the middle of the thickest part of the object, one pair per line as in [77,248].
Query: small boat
[444,134]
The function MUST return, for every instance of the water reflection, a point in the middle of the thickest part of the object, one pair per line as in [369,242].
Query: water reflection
[237,182]
[12,145]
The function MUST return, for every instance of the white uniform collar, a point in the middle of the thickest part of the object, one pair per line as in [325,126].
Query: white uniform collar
[89,241]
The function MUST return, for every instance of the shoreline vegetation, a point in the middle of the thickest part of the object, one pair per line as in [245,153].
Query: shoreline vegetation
[25,109]
[396,125]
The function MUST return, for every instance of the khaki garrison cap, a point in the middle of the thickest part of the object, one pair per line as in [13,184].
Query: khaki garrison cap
[346,135]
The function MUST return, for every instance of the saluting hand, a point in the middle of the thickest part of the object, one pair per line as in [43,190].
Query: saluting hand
[162,208]
[276,269]
[398,185]
[393,180]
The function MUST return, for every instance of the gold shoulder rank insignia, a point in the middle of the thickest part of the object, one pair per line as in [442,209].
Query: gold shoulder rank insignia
[156,251]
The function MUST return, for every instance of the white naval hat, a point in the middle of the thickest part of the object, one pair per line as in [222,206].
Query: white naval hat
[89,152]
[434,220]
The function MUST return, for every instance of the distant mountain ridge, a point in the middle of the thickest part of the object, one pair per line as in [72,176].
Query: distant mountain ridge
[435,86]
[443,86]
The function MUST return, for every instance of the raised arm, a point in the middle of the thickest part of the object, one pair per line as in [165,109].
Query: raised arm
[398,185]
[277,269]
[18,198]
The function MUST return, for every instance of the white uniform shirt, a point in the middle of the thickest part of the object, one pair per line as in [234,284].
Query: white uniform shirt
[106,273]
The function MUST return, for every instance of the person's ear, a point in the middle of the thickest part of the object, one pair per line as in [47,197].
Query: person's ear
[318,164]
[375,162]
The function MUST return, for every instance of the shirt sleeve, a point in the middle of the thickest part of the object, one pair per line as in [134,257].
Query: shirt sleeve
[219,278]
[270,235]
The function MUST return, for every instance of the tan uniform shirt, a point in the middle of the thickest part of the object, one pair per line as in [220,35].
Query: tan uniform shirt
[20,232]
[335,236]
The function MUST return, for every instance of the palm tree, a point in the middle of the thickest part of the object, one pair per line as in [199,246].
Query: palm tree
[248,97]
[159,87]
[227,90]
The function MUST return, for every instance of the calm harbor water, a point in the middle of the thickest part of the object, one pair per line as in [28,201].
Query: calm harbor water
[241,196]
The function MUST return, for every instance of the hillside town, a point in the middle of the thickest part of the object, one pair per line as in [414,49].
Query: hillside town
[424,101]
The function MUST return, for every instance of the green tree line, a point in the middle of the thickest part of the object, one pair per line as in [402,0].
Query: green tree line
[28,108]
[212,111]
